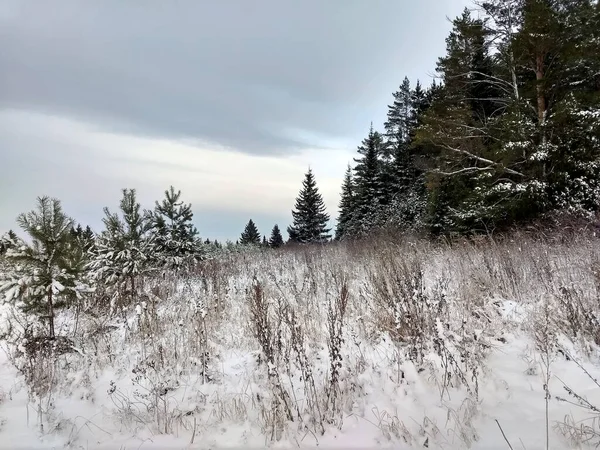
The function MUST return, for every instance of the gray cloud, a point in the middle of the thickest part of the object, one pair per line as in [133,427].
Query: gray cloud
[266,76]
[98,95]
[86,169]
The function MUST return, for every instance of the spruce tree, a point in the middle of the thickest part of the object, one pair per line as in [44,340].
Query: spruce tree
[420,102]
[346,205]
[47,273]
[84,238]
[88,234]
[8,240]
[403,182]
[398,128]
[403,117]
[370,190]
[398,125]
[250,236]
[276,239]
[76,232]
[310,217]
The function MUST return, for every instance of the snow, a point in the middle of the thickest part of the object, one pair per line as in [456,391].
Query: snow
[17,414]
[102,400]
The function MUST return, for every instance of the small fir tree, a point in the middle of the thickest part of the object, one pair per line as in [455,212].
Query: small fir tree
[310,218]
[276,239]
[250,236]
[346,204]
[9,240]
[83,237]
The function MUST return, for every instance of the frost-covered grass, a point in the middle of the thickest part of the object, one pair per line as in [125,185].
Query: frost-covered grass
[396,345]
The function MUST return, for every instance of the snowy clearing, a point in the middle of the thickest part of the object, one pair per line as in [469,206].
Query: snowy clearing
[387,346]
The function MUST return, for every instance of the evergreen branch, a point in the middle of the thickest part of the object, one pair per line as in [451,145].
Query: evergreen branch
[463,170]
[481,159]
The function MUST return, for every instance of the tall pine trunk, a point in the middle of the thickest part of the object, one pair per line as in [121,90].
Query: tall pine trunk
[132,286]
[541,99]
[50,314]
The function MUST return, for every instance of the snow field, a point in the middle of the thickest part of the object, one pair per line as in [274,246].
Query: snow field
[439,347]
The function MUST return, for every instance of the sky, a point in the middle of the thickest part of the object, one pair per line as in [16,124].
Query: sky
[229,101]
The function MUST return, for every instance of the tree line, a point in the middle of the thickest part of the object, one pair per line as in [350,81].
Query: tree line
[61,263]
[508,132]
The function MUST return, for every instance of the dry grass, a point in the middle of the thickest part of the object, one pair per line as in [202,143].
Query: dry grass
[313,317]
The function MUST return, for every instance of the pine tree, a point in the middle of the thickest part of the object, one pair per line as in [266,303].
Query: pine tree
[459,131]
[276,239]
[175,239]
[346,205]
[400,114]
[250,236]
[47,273]
[124,249]
[310,218]
[548,52]
[558,43]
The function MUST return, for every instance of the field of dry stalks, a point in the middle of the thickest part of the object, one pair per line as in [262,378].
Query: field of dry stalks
[484,345]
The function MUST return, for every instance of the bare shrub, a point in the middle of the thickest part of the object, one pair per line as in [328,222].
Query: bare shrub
[586,431]
[579,315]
[297,341]
[403,309]
[336,312]
[265,331]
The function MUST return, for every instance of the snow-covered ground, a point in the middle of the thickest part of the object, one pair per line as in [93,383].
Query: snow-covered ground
[458,359]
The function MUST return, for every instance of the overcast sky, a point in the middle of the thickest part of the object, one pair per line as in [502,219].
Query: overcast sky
[228,100]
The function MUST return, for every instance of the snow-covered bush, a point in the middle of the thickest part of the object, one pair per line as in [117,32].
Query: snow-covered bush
[123,250]
[175,242]
[47,273]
